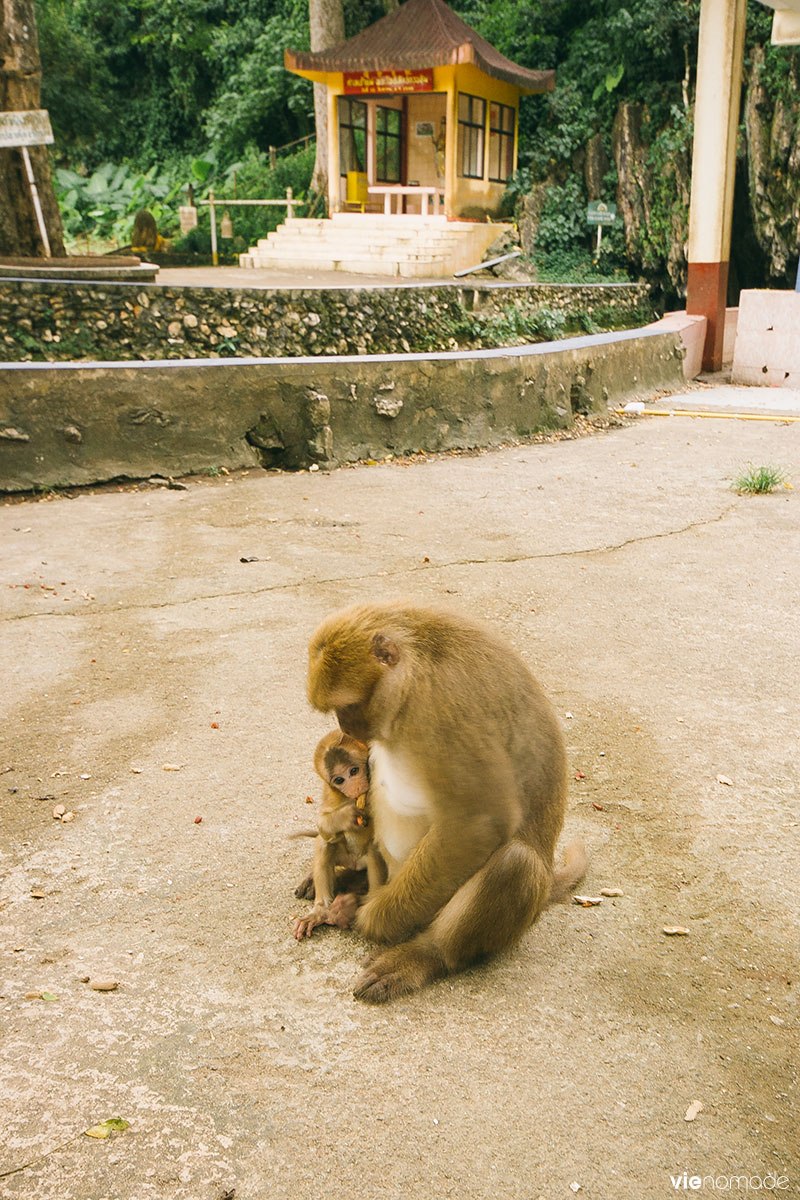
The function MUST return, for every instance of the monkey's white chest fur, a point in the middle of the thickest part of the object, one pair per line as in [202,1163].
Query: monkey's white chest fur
[400,804]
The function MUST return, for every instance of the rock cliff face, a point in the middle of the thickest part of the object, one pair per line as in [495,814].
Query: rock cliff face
[653,167]
[771,119]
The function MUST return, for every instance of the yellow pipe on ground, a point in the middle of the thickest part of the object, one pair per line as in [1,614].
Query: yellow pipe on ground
[688,412]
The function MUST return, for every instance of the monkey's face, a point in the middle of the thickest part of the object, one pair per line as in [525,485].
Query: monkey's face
[353,720]
[348,659]
[349,777]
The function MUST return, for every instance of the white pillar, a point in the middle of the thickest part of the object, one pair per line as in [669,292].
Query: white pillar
[716,119]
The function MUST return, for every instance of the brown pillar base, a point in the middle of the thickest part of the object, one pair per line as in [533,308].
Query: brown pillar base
[706,295]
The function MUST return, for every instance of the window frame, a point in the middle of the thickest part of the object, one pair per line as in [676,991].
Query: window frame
[348,144]
[501,141]
[383,139]
[472,137]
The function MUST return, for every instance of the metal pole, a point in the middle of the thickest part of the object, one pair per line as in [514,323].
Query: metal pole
[36,205]
[214,255]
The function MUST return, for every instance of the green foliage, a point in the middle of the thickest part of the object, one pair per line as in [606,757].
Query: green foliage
[260,102]
[149,81]
[562,226]
[104,203]
[669,208]
[578,265]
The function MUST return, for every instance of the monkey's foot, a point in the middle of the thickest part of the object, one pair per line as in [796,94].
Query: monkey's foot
[397,972]
[305,888]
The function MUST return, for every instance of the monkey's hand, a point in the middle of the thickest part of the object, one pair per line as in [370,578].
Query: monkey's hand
[342,910]
[304,926]
[344,819]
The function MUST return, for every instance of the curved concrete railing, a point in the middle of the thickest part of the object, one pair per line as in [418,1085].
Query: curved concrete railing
[77,423]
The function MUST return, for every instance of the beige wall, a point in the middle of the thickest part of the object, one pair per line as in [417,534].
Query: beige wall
[470,195]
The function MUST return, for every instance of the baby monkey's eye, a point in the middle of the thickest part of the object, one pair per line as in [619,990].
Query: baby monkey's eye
[354,771]
[337,780]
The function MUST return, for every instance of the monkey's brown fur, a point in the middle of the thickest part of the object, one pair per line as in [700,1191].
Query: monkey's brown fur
[468,786]
[341,839]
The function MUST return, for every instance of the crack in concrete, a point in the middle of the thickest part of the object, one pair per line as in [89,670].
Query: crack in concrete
[406,570]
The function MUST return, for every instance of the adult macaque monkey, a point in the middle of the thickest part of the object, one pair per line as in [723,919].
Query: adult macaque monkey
[468,783]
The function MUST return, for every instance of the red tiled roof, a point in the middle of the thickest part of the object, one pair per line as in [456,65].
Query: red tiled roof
[420,33]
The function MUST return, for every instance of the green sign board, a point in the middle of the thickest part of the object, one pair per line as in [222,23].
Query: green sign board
[600,213]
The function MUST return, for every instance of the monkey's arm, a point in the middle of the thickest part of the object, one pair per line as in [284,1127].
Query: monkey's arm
[334,822]
[446,857]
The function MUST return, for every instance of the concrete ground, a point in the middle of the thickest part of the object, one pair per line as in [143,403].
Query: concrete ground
[154,686]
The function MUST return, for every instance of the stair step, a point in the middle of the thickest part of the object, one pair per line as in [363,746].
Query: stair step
[364,243]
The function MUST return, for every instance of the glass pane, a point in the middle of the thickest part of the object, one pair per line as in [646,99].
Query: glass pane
[508,158]
[359,147]
[494,155]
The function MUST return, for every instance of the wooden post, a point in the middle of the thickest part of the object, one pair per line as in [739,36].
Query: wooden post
[37,208]
[289,205]
[213,215]
[716,116]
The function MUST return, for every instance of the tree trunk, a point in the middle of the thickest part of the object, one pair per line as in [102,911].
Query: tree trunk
[326,18]
[20,78]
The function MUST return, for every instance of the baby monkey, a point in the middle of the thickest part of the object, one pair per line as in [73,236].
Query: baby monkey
[343,838]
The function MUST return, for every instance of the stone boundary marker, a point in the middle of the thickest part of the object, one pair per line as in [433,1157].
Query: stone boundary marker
[78,423]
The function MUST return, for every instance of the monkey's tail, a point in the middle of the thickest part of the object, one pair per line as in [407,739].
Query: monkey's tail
[576,862]
[301,833]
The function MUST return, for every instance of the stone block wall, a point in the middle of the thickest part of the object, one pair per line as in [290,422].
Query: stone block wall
[74,321]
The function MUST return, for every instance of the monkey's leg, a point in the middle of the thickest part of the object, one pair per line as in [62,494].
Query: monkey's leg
[488,914]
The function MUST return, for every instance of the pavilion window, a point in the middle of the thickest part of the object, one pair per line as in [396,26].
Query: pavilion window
[471,135]
[388,144]
[501,142]
[352,135]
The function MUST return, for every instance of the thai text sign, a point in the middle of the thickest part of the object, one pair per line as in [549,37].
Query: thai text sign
[25,128]
[378,83]
[600,213]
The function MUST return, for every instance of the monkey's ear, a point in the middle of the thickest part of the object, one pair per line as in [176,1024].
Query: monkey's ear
[385,650]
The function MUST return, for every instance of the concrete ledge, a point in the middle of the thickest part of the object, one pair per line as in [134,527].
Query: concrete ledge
[79,423]
[767,347]
[692,331]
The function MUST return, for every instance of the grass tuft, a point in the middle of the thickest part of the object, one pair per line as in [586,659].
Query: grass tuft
[759,481]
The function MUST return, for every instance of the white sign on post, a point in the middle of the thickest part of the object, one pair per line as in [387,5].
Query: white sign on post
[26,128]
[20,130]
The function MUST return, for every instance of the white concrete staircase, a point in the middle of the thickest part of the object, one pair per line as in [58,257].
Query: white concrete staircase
[412,247]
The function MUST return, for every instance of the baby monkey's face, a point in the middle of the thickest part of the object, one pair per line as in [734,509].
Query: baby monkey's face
[348,775]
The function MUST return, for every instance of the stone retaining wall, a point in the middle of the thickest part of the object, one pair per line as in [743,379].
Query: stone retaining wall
[68,321]
[71,423]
